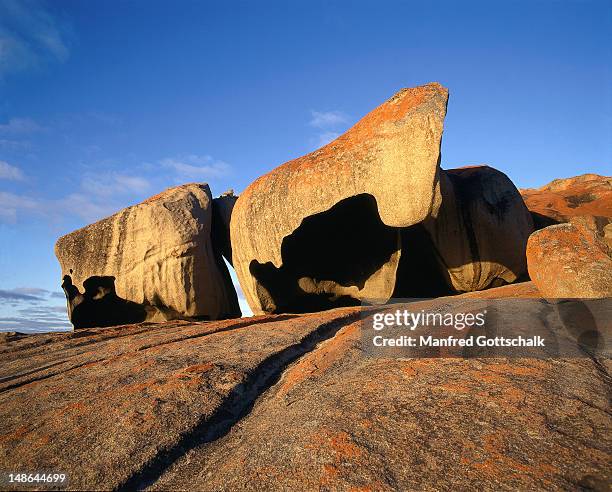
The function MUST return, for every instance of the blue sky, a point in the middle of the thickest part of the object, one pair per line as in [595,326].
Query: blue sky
[103,103]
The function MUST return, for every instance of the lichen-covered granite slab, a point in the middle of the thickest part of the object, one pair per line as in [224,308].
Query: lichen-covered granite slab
[294,403]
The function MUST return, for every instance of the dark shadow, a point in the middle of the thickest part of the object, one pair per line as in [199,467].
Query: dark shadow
[541,221]
[341,247]
[222,248]
[220,232]
[484,189]
[100,305]
[419,273]
[580,323]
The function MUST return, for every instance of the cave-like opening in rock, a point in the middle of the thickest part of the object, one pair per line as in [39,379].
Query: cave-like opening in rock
[331,256]
[328,258]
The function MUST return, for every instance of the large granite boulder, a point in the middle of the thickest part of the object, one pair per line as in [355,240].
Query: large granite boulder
[572,259]
[480,233]
[587,194]
[153,261]
[371,215]
[294,403]
[320,229]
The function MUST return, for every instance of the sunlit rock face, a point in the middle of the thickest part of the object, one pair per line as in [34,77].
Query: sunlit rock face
[562,199]
[371,215]
[573,259]
[153,261]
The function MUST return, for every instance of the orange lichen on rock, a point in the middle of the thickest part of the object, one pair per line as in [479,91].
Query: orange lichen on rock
[561,199]
[319,361]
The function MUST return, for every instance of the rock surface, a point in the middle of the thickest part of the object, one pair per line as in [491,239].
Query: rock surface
[293,402]
[152,261]
[588,194]
[572,259]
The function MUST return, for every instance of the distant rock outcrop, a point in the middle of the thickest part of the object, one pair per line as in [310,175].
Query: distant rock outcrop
[153,261]
[588,194]
[572,259]
[371,215]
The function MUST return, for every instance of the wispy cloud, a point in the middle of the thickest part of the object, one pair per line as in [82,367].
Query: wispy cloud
[80,205]
[197,167]
[13,207]
[30,36]
[9,172]
[32,291]
[15,295]
[331,123]
[101,193]
[20,126]
[32,309]
[327,119]
[29,294]
[11,204]
[32,318]
[112,184]
[14,145]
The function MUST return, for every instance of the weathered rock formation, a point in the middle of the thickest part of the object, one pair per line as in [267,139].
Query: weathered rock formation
[316,229]
[358,219]
[588,194]
[572,259]
[152,261]
[293,403]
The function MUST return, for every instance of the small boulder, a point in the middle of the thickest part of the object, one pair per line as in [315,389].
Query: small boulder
[572,259]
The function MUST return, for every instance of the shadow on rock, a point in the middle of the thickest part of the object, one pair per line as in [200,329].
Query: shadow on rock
[100,305]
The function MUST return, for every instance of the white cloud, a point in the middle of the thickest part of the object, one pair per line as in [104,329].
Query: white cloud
[197,167]
[14,145]
[29,36]
[113,184]
[81,205]
[327,119]
[16,126]
[31,291]
[9,172]
[11,204]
